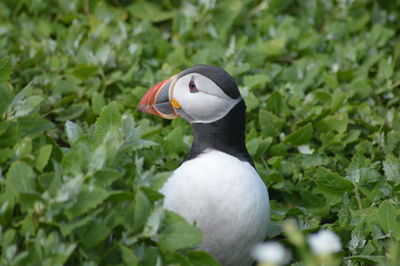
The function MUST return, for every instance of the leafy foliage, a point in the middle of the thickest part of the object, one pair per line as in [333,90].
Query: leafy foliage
[80,169]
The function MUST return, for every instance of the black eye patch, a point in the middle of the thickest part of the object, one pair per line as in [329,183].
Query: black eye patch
[192,86]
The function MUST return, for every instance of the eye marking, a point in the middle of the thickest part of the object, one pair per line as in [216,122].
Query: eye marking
[192,86]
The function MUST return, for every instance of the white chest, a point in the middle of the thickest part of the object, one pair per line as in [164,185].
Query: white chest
[226,199]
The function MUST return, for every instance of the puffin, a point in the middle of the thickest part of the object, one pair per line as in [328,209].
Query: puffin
[217,187]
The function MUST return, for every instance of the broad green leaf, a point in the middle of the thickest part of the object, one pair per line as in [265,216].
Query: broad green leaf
[201,258]
[72,112]
[6,154]
[105,177]
[67,228]
[5,68]
[5,98]
[43,157]
[274,47]
[84,71]
[391,166]
[336,123]
[21,177]
[385,69]
[258,146]
[24,103]
[150,12]
[23,148]
[109,117]
[251,101]
[73,130]
[276,105]
[142,211]
[332,185]
[270,124]
[32,126]
[362,89]
[98,103]
[8,237]
[95,234]
[331,81]
[88,198]
[388,218]
[301,136]
[369,259]
[338,98]
[178,234]
[257,80]
[128,256]
[154,221]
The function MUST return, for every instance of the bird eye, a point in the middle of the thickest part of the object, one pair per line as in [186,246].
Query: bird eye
[192,86]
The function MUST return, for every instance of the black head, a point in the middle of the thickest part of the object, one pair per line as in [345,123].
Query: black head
[218,75]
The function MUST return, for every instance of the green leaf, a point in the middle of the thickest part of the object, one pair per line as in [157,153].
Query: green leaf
[98,103]
[23,148]
[149,11]
[201,258]
[43,157]
[252,101]
[301,136]
[385,69]
[258,146]
[338,98]
[388,218]
[270,124]
[32,126]
[331,81]
[255,81]
[6,154]
[95,234]
[84,71]
[68,227]
[21,177]
[88,198]
[128,256]
[109,118]
[73,130]
[276,105]
[5,98]
[274,47]
[369,259]
[142,211]
[336,123]
[332,185]
[5,68]
[178,234]
[24,103]
[391,166]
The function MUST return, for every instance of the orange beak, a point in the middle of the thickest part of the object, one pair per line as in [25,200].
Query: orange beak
[157,100]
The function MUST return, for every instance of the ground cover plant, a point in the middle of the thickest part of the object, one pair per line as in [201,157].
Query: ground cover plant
[80,168]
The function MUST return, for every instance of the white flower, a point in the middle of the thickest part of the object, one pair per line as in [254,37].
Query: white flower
[305,149]
[324,242]
[271,252]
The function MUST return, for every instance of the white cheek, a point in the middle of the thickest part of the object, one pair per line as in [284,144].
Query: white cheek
[202,107]
[208,105]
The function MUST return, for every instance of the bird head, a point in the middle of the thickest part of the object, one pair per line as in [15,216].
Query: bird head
[199,94]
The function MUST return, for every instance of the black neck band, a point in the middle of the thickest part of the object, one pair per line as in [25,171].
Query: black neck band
[226,134]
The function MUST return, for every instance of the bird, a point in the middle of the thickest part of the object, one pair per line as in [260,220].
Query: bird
[217,187]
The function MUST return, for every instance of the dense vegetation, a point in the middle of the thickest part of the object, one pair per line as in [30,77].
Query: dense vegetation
[80,168]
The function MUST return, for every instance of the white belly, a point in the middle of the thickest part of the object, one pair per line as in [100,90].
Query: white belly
[226,199]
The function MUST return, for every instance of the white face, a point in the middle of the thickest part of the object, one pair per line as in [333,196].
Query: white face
[200,99]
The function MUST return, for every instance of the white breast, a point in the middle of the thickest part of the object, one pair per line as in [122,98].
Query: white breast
[226,199]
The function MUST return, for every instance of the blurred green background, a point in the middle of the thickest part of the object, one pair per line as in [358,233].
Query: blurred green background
[80,168]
